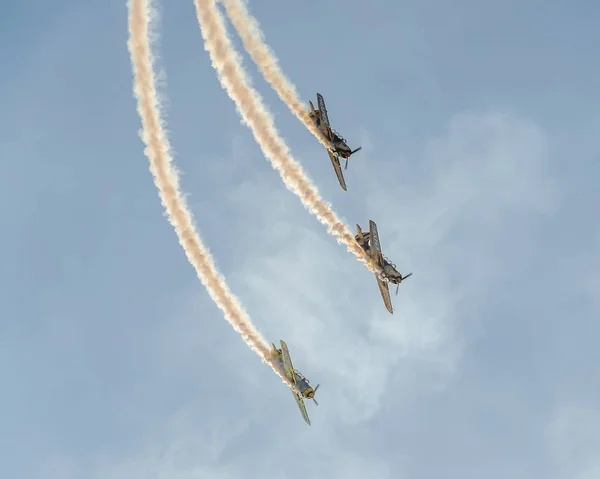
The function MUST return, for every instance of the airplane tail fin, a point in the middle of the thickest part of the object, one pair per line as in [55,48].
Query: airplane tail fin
[359,235]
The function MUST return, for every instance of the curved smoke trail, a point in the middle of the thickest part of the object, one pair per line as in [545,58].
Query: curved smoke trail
[249,104]
[167,182]
[252,37]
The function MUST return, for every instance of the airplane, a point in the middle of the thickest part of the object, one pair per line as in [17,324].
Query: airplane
[390,273]
[338,146]
[296,378]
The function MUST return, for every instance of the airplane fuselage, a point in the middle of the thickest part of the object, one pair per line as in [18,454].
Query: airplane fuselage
[342,149]
[304,387]
[389,271]
[338,145]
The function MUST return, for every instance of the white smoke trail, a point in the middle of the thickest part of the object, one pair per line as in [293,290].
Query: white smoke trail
[252,37]
[249,104]
[167,182]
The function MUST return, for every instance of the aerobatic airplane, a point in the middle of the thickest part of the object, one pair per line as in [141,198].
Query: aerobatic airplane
[370,243]
[296,378]
[337,144]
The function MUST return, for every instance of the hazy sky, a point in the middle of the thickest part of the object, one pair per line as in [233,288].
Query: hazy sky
[480,131]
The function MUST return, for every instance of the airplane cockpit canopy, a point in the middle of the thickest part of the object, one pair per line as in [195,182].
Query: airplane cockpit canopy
[338,136]
[300,375]
[389,262]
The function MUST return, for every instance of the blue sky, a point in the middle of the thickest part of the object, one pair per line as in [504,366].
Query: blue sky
[479,123]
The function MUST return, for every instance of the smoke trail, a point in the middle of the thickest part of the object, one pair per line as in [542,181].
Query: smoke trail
[249,31]
[249,104]
[167,182]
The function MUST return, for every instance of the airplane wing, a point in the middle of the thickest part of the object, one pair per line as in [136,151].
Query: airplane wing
[302,407]
[338,170]
[287,363]
[289,372]
[375,241]
[322,109]
[383,286]
[385,294]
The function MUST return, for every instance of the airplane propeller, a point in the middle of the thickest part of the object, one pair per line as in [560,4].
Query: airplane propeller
[351,153]
[314,392]
[398,284]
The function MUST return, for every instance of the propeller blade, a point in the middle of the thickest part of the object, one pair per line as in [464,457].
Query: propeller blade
[315,401]
[358,149]
[346,167]
[407,276]
[397,286]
